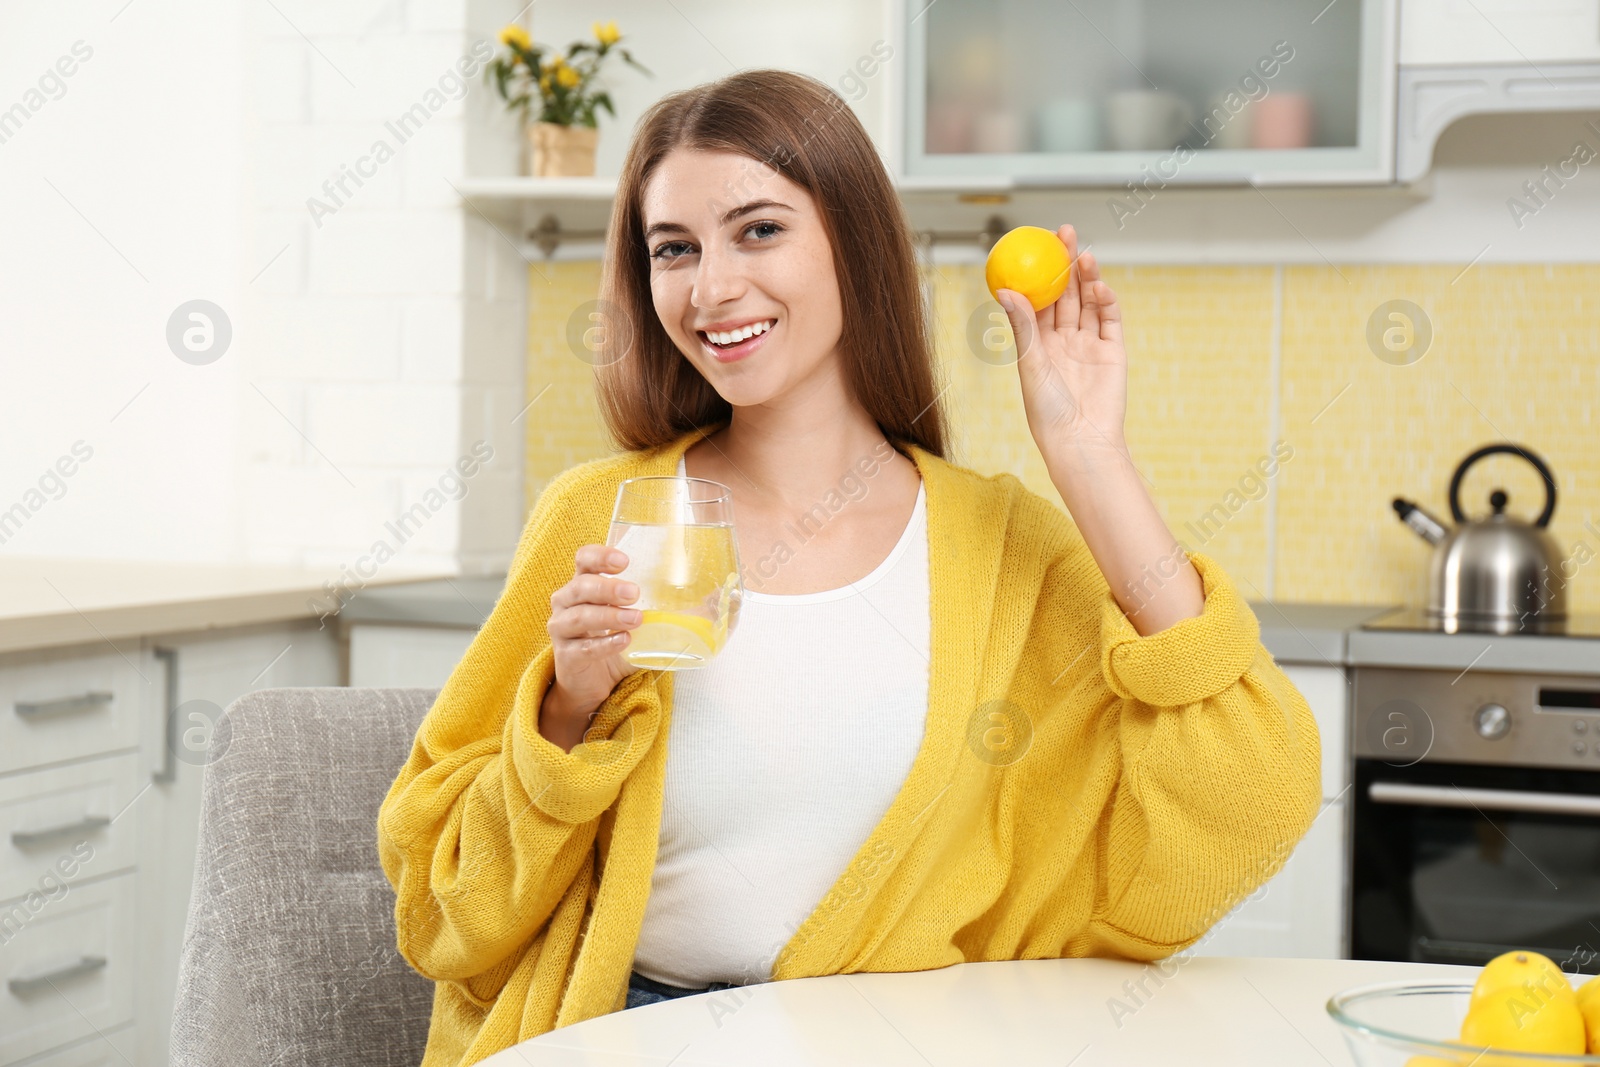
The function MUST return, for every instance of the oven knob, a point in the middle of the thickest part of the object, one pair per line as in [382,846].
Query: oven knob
[1493,722]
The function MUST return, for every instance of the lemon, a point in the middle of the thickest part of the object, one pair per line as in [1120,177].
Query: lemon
[1588,1001]
[1031,261]
[1510,1018]
[671,638]
[1536,976]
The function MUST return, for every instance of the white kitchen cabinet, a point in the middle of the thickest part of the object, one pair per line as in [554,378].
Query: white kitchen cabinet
[1451,32]
[70,969]
[1327,689]
[214,668]
[1144,93]
[1300,910]
[102,749]
[420,656]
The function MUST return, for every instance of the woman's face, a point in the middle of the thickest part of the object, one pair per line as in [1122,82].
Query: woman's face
[732,244]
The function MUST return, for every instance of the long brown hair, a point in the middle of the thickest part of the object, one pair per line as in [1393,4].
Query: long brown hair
[649,392]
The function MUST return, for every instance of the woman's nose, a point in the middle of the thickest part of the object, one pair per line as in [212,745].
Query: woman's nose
[717,279]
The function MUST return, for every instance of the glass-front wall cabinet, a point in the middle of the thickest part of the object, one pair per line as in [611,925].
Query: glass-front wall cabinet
[1047,92]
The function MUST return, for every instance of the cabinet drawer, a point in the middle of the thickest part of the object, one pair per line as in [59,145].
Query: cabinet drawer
[66,704]
[65,824]
[66,966]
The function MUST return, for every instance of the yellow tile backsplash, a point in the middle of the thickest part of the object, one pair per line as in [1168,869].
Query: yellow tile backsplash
[1515,356]
[1268,432]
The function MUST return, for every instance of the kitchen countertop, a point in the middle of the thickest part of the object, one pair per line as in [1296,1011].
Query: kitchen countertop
[46,601]
[1293,633]
[1203,1011]
[1311,633]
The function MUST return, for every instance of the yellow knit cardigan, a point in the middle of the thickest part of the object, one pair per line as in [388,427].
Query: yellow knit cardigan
[1080,790]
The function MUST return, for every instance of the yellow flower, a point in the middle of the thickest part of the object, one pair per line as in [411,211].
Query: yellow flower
[567,78]
[607,34]
[544,83]
[515,35]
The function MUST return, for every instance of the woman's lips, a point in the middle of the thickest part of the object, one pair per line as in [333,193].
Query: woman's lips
[740,350]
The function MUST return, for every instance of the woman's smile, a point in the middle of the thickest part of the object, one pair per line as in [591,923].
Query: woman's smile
[740,348]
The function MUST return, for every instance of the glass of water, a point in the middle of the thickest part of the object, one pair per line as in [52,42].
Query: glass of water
[678,535]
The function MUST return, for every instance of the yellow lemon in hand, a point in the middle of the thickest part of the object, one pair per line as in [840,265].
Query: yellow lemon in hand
[1588,1000]
[1512,1019]
[1031,261]
[1535,975]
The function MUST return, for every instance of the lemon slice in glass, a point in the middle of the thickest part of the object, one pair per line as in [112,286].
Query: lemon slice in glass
[666,640]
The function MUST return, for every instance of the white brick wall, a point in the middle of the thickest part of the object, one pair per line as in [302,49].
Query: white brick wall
[392,329]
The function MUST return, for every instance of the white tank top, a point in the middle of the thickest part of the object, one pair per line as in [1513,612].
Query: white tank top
[784,753]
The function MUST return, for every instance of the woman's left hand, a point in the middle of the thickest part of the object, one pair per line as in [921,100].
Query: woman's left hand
[1073,367]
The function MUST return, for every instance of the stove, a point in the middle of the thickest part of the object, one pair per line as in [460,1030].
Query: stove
[1475,815]
[1417,620]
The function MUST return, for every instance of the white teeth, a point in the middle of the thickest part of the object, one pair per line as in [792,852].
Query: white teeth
[728,337]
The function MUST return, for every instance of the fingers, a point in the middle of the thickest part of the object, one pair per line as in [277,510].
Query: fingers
[590,585]
[1024,320]
[592,605]
[593,559]
[1088,276]
[1066,309]
[1110,312]
[591,620]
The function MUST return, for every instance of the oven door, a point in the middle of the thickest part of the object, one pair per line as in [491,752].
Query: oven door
[1457,863]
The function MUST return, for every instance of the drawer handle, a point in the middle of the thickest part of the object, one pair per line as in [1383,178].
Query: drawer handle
[41,709]
[86,825]
[35,983]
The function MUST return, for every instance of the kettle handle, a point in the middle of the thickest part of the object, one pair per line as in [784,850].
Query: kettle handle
[1489,450]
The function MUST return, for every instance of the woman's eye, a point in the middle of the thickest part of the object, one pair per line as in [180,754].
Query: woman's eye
[665,252]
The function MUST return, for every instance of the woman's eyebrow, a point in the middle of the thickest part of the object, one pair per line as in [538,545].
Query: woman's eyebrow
[738,212]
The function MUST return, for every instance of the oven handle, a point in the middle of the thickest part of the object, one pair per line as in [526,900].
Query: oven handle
[1500,799]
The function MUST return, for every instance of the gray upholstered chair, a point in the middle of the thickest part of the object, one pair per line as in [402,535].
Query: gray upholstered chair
[289,951]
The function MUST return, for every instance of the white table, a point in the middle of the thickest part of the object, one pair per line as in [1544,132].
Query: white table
[1237,1012]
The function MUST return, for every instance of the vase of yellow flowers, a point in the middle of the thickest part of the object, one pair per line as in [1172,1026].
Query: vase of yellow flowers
[557,96]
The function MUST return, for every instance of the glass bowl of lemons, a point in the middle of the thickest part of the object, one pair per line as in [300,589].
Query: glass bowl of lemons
[1522,1011]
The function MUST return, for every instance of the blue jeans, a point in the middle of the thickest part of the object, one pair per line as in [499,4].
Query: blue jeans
[642,991]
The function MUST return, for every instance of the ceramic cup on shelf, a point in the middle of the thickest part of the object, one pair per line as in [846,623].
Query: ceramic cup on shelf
[949,127]
[1068,124]
[1282,120]
[999,131]
[1222,128]
[1143,119]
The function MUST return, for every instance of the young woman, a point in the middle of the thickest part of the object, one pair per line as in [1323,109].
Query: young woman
[953,724]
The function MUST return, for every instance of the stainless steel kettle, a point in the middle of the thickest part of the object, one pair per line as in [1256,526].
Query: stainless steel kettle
[1493,573]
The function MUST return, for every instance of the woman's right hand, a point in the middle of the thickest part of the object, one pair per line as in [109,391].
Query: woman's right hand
[589,629]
